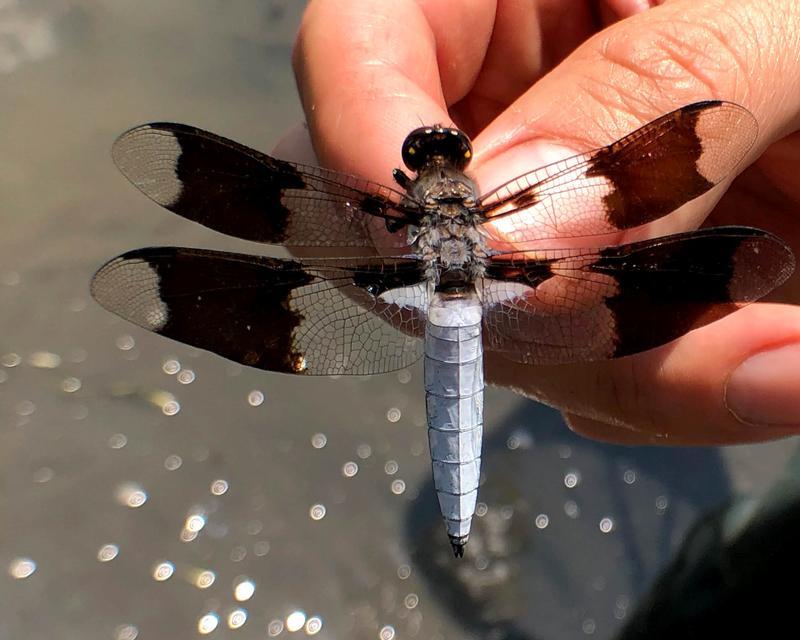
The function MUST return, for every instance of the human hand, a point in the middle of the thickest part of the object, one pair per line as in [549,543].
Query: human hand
[536,82]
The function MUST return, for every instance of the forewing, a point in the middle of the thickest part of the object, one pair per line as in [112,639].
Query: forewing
[345,316]
[247,194]
[574,305]
[640,178]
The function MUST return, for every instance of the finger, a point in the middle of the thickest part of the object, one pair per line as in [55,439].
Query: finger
[626,8]
[404,63]
[734,380]
[367,90]
[635,70]
[647,65]
[527,39]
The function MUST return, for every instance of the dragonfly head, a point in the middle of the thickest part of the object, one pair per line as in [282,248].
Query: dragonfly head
[437,145]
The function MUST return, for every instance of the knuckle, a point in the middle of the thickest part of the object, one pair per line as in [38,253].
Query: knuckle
[678,60]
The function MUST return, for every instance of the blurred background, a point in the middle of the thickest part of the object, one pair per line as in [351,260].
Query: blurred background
[149,490]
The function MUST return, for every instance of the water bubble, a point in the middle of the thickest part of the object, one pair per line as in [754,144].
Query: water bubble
[188,536]
[131,495]
[572,479]
[520,439]
[21,568]
[481,509]
[349,469]
[363,451]
[186,376]
[295,621]
[411,601]
[254,527]
[70,385]
[207,623]
[394,414]
[171,366]
[541,521]
[275,628]
[317,512]
[404,376]
[319,440]
[163,571]
[243,589]
[170,408]
[117,441]
[662,502]
[219,487]
[125,342]
[403,571]
[571,509]
[10,360]
[386,633]
[589,626]
[173,462]
[255,398]
[126,632]
[398,487]
[204,579]
[107,552]
[391,467]
[629,477]
[313,625]
[25,408]
[159,398]
[238,553]
[195,522]
[606,525]
[237,618]
[261,548]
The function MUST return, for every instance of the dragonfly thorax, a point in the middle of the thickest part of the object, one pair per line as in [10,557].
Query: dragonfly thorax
[453,249]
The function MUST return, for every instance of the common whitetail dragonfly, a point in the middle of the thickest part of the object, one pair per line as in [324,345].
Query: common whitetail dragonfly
[446,272]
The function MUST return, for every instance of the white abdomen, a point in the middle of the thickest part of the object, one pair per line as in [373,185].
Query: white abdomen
[454,401]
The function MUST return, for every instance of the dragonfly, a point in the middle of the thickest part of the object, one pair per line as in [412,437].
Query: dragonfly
[441,271]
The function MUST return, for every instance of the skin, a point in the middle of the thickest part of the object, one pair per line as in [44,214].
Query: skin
[534,80]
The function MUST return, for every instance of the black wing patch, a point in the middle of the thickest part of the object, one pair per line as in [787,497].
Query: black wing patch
[243,193]
[584,305]
[637,179]
[343,316]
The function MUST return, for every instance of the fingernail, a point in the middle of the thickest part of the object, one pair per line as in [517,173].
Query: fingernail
[765,388]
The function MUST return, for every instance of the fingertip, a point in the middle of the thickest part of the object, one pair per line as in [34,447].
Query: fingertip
[363,93]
